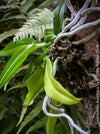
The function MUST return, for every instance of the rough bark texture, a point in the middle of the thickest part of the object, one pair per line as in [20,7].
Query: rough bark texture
[78,66]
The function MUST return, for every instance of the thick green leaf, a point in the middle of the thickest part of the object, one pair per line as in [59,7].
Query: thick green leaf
[14,46]
[54,89]
[16,61]
[12,66]
[34,84]
[59,17]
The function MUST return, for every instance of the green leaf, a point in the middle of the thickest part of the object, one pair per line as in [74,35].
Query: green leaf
[23,112]
[25,5]
[36,25]
[31,115]
[34,84]
[14,46]
[54,89]
[12,66]
[2,113]
[51,122]
[16,61]
[35,62]
[59,17]
[49,35]
[7,34]
[40,123]
[15,87]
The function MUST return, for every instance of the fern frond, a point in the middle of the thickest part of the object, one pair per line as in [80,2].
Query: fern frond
[44,5]
[9,2]
[7,34]
[12,1]
[7,6]
[26,5]
[37,125]
[31,116]
[18,18]
[36,25]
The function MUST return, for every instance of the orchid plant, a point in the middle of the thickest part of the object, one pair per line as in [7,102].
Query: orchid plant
[45,72]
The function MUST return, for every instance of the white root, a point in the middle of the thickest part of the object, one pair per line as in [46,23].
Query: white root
[81,21]
[75,20]
[71,8]
[89,10]
[69,34]
[55,67]
[77,23]
[53,107]
[46,99]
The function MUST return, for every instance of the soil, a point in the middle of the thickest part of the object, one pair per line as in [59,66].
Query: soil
[79,67]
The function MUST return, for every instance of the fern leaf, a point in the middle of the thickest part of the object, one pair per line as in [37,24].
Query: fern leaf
[31,116]
[45,4]
[7,7]
[26,5]
[7,34]
[9,2]
[37,125]
[15,17]
[2,113]
[36,25]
